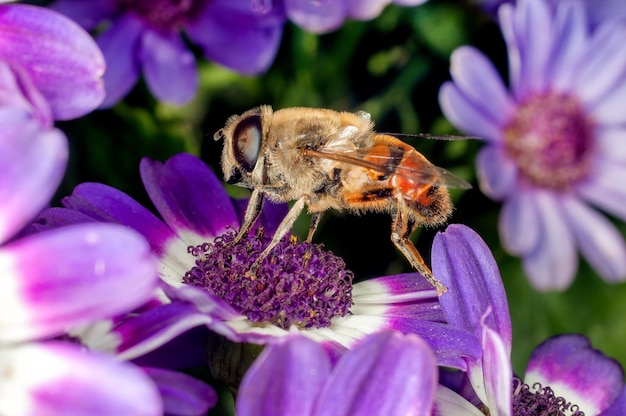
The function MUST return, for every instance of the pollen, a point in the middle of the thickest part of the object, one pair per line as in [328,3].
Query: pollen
[551,138]
[298,284]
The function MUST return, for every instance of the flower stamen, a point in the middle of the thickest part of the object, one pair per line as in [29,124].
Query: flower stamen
[296,284]
[540,401]
[551,138]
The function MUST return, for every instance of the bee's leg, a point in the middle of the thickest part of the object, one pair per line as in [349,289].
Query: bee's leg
[253,210]
[282,230]
[401,231]
[315,221]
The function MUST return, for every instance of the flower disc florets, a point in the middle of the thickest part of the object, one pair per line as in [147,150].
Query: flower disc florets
[296,284]
[540,401]
[163,14]
[551,138]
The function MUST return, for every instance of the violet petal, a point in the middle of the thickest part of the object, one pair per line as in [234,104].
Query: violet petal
[519,223]
[574,370]
[189,196]
[86,266]
[246,42]
[32,164]
[317,17]
[64,61]
[88,14]
[552,264]
[119,45]
[285,379]
[462,261]
[465,115]
[387,374]
[182,394]
[497,173]
[168,67]
[598,239]
[56,378]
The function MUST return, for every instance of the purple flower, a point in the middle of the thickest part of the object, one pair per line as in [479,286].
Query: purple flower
[555,139]
[296,287]
[386,374]
[564,373]
[321,16]
[71,278]
[597,10]
[60,79]
[144,37]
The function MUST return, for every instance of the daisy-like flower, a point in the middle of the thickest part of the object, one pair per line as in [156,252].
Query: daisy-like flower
[386,374]
[144,37]
[298,286]
[68,277]
[555,139]
[321,16]
[597,10]
[565,376]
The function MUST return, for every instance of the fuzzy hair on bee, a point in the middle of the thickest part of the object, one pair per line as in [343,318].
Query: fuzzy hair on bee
[324,159]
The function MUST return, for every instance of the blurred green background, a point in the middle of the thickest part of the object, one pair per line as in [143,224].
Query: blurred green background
[391,67]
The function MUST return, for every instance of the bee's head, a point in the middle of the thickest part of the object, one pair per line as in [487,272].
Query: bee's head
[243,136]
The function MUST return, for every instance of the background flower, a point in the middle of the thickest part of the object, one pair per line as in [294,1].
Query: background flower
[144,37]
[554,141]
[327,15]
[386,374]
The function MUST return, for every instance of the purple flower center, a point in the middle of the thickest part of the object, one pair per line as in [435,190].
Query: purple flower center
[297,284]
[166,15]
[550,138]
[538,400]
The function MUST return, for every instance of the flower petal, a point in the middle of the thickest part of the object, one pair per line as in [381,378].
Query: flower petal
[317,17]
[185,204]
[465,115]
[573,370]
[529,38]
[158,326]
[601,70]
[618,407]
[182,394]
[519,223]
[57,378]
[449,403]
[497,173]
[104,203]
[119,44]
[387,374]
[168,66]
[71,276]
[245,41]
[552,264]
[285,379]
[365,9]
[497,372]
[604,188]
[32,164]
[481,84]
[463,262]
[605,111]
[64,62]
[570,32]
[88,14]
[599,240]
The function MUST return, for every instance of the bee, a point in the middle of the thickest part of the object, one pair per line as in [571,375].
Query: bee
[324,159]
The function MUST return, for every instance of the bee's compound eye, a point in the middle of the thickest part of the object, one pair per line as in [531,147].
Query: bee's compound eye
[247,141]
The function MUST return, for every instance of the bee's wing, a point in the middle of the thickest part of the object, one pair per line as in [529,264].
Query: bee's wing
[426,174]
[432,136]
